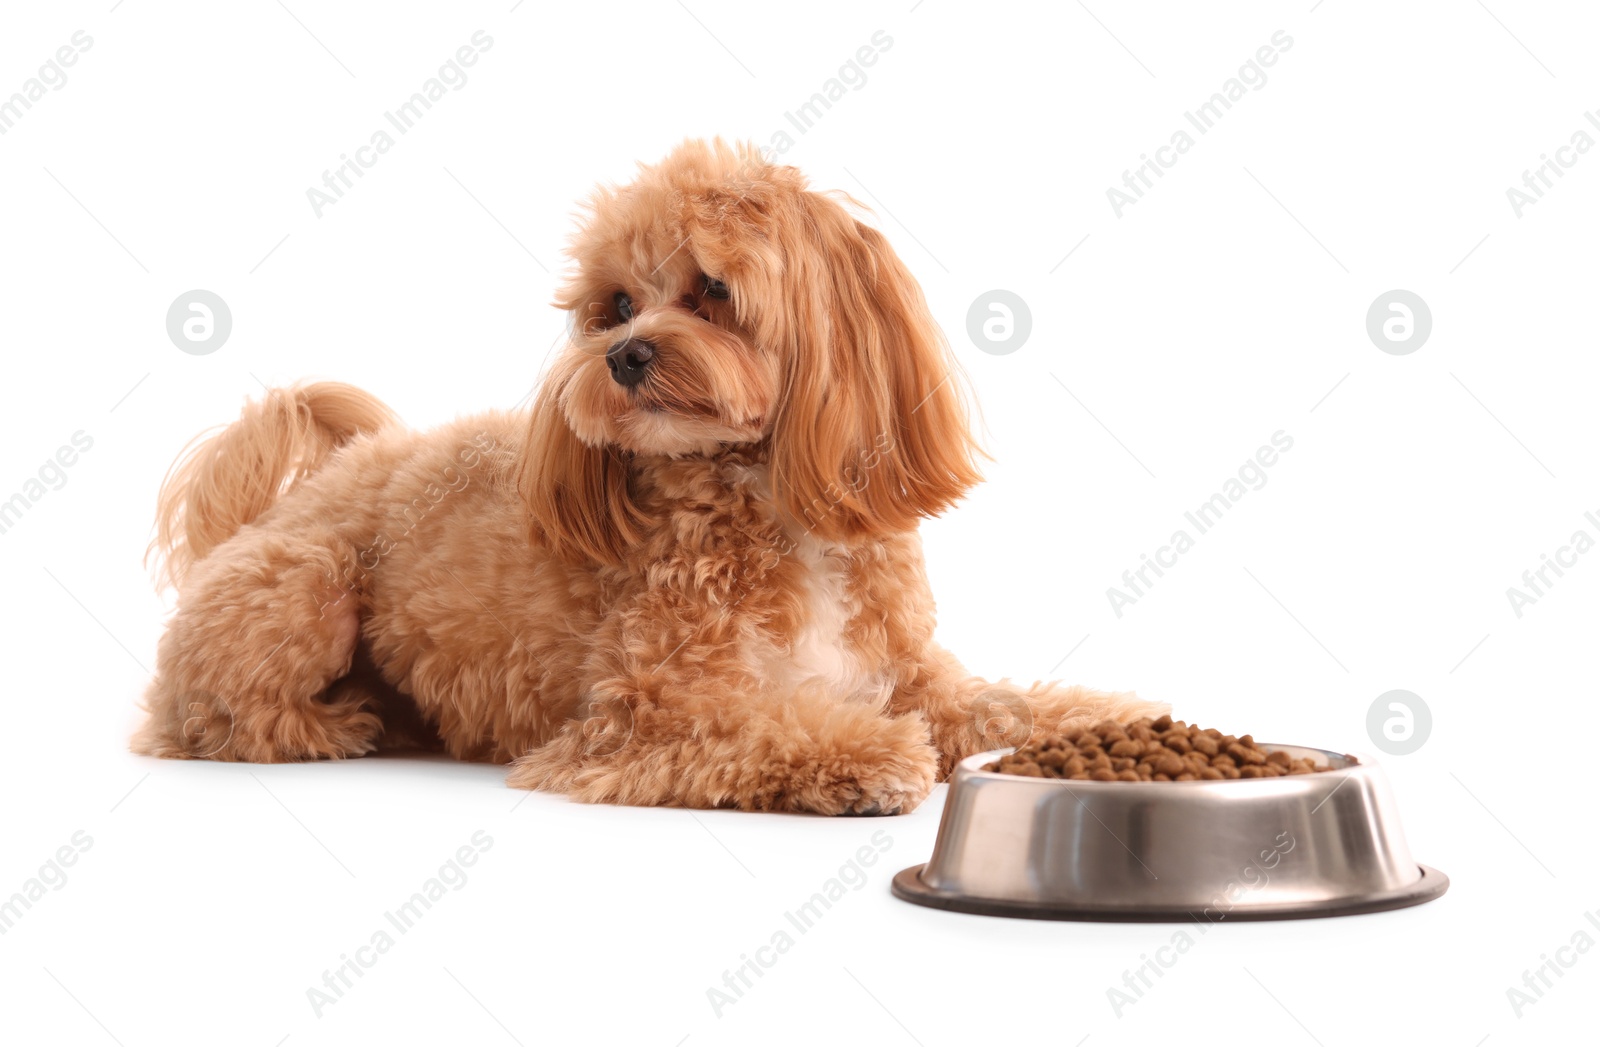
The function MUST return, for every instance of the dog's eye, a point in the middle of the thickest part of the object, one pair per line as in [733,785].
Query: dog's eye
[716,289]
[624,305]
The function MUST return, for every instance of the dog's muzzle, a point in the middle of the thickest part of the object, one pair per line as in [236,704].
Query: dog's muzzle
[630,360]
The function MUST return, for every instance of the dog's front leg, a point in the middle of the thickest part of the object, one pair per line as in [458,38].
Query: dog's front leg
[700,741]
[968,714]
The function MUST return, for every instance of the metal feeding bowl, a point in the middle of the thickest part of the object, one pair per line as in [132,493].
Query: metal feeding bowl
[1324,844]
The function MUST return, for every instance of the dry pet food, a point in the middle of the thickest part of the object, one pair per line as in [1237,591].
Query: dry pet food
[1164,750]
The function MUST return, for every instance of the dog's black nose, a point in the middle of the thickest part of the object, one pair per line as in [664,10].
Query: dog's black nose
[629,360]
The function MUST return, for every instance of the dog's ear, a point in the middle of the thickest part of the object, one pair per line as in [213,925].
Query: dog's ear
[871,434]
[578,497]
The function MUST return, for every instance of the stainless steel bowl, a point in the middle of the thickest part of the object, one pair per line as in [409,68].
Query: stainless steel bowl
[1325,844]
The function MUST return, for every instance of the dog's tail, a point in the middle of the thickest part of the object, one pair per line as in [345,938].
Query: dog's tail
[223,480]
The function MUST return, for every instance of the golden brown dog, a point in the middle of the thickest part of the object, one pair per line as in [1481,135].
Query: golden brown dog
[691,577]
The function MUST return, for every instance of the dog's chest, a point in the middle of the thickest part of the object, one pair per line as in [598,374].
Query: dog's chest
[818,650]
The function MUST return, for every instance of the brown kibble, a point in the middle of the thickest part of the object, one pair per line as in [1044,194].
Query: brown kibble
[1162,750]
[1243,754]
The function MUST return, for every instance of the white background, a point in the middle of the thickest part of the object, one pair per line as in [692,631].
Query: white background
[1221,308]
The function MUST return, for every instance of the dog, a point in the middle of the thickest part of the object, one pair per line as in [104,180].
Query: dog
[689,576]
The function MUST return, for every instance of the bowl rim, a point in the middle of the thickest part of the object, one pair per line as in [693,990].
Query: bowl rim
[908,885]
[972,767]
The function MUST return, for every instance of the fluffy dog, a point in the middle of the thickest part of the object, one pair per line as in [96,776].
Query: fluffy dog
[691,576]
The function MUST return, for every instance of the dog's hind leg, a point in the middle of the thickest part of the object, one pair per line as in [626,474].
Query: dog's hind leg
[264,625]
[405,728]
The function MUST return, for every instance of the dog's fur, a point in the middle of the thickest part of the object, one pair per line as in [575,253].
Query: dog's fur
[706,590]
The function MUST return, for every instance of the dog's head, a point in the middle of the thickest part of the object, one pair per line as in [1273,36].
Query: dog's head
[717,303]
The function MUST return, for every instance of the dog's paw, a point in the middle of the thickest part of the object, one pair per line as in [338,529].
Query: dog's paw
[848,760]
[551,767]
[888,768]
[860,791]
